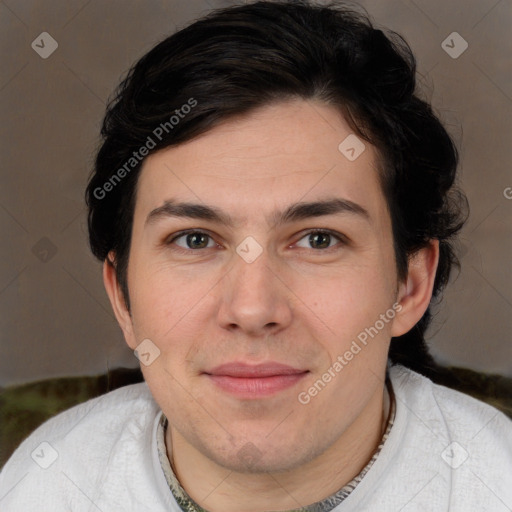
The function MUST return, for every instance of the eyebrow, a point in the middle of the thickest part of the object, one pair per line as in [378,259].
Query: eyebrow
[295,212]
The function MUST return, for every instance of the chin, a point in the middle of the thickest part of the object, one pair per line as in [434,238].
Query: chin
[261,466]
[253,458]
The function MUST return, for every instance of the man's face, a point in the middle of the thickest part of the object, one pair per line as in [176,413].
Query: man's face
[251,306]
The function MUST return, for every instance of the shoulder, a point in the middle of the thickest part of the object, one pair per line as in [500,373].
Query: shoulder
[463,444]
[458,411]
[110,412]
[445,451]
[103,436]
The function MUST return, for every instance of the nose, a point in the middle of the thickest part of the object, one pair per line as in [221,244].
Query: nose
[254,300]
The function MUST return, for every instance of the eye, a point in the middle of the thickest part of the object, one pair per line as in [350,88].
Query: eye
[318,240]
[193,240]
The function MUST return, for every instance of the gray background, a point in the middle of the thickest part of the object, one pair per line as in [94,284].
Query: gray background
[55,316]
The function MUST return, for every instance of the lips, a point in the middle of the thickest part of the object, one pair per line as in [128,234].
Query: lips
[243,370]
[254,381]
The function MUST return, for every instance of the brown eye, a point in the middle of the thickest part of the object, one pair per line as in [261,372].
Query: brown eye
[318,240]
[194,240]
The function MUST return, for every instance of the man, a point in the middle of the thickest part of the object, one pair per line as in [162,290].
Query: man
[274,207]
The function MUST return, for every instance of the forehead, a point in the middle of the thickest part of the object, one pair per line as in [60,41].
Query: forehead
[280,154]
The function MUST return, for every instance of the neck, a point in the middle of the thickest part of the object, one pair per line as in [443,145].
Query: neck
[216,488]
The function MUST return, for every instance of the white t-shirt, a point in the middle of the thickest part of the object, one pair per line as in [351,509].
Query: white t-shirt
[445,452]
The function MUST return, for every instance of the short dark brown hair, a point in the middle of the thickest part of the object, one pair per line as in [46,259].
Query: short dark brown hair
[237,59]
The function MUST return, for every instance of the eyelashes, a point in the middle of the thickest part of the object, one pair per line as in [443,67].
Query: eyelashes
[316,240]
[320,238]
[194,240]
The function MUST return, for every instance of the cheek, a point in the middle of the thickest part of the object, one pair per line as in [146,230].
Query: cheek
[165,301]
[348,300]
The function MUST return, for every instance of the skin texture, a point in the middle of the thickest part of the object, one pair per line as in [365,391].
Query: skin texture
[295,304]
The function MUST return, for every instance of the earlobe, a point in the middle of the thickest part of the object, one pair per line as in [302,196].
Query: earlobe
[415,293]
[117,301]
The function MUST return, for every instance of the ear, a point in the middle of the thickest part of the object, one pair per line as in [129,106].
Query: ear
[414,295]
[117,301]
